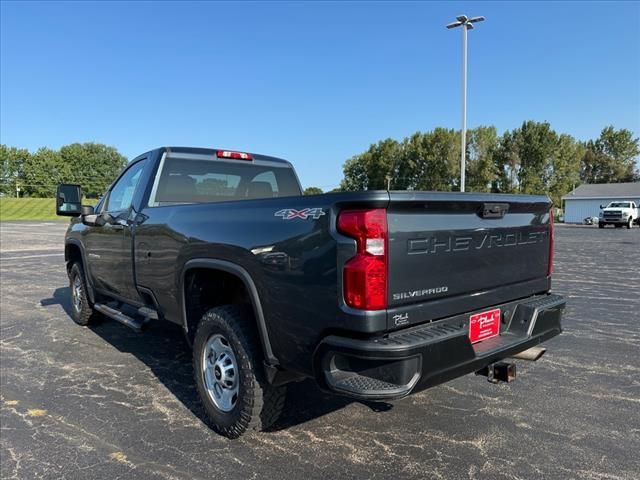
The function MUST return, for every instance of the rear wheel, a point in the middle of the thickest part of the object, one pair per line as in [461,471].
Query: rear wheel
[227,363]
[81,309]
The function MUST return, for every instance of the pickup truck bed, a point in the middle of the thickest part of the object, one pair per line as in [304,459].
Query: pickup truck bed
[373,294]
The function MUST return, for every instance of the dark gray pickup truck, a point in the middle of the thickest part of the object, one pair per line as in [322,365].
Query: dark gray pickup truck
[374,294]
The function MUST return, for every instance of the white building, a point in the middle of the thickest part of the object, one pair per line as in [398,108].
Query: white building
[585,200]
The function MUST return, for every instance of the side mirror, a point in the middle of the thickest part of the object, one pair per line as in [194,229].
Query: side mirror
[601,207]
[68,200]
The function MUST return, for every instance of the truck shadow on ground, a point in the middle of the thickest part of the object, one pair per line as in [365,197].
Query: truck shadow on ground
[164,350]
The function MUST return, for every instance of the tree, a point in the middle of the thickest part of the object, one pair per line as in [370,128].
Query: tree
[525,159]
[611,158]
[424,161]
[313,191]
[531,159]
[566,167]
[12,168]
[537,145]
[594,166]
[43,171]
[429,161]
[507,164]
[369,170]
[444,161]
[482,171]
[93,165]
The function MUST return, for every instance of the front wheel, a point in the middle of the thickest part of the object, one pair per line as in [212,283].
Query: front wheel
[601,225]
[630,223]
[81,309]
[229,375]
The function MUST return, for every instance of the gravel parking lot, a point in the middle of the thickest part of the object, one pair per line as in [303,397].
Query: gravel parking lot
[105,402]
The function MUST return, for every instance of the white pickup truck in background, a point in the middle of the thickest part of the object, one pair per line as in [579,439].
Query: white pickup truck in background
[619,213]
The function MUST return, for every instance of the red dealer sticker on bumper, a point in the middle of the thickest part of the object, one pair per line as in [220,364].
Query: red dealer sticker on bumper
[484,325]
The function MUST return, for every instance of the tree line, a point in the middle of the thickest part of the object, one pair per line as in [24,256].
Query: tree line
[531,159]
[92,165]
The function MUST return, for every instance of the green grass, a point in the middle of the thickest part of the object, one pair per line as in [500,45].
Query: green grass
[28,209]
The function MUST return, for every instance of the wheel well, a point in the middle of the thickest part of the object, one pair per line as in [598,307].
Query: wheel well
[72,254]
[205,288]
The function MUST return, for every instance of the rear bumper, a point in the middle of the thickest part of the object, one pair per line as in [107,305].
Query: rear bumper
[420,357]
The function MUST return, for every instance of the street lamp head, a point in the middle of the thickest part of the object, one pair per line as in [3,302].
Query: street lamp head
[464,20]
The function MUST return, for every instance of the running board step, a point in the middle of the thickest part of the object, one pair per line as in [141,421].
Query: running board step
[148,313]
[132,323]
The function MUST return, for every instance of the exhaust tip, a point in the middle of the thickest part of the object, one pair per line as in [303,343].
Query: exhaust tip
[532,354]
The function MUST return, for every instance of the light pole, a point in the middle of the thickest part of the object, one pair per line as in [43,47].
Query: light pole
[466,24]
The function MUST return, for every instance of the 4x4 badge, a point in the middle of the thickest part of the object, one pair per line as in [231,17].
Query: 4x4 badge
[291,213]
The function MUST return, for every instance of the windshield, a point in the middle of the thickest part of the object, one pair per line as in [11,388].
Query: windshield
[619,205]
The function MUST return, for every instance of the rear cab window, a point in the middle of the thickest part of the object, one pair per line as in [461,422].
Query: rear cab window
[183,178]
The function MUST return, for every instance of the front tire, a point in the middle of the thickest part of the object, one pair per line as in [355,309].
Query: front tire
[630,223]
[601,225]
[229,375]
[81,309]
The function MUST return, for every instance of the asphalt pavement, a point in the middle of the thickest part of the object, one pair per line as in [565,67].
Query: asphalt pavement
[105,402]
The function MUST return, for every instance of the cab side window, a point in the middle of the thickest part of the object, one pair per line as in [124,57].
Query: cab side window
[122,192]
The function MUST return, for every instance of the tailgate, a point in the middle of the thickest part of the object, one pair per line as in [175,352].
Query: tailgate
[448,245]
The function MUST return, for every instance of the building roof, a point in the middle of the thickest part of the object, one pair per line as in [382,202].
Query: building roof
[605,190]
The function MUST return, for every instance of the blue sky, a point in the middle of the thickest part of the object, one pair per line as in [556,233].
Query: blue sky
[311,82]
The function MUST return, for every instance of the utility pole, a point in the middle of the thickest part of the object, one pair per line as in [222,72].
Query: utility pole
[466,24]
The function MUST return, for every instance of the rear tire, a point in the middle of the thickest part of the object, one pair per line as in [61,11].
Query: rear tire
[82,310]
[229,375]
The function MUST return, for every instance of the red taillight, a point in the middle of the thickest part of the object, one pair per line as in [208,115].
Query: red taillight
[365,275]
[550,268]
[234,155]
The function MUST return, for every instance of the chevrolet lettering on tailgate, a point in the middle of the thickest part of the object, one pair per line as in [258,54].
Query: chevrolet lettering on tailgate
[463,243]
